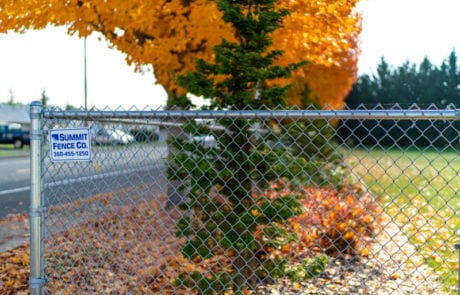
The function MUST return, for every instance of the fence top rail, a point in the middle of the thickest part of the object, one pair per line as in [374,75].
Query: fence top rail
[428,114]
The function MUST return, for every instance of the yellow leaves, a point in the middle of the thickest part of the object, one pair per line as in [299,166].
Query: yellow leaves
[14,271]
[395,276]
[365,252]
[341,226]
[329,33]
[15,260]
[87,4]
[189,267]
[97,167]
[349,236]
[21,259]
[285,248]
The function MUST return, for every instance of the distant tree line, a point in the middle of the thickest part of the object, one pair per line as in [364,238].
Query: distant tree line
[407,86]
[44,99]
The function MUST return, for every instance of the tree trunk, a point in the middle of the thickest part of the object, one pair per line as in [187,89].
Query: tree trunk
[244,272]
[176,195]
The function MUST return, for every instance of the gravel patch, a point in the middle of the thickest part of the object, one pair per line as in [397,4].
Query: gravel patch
[393,266]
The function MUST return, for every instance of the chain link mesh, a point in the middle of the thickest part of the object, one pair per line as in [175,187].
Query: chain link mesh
[260,204]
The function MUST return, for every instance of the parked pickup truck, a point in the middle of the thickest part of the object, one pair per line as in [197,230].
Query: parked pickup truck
[14,134]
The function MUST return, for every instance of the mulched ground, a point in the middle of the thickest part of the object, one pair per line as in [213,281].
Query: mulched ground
[131,249]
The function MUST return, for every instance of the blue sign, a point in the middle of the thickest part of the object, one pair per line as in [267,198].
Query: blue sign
[70,145]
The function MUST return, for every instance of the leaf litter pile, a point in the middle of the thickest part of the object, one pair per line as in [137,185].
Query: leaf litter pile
[105,245]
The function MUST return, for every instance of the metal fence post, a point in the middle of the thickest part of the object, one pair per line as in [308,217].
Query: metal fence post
[457,246]
[36,279]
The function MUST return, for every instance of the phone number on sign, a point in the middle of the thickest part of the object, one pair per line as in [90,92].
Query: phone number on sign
[71,154]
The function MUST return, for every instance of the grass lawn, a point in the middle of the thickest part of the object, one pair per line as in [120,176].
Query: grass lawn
[8,150]
[420,189]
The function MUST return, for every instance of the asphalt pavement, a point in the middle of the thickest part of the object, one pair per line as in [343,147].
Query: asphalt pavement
[14,198]
[14,185]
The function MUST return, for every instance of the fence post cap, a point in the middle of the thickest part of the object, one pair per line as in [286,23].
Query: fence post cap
[35,103]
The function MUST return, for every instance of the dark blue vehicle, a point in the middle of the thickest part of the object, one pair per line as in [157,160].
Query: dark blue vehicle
[14,134]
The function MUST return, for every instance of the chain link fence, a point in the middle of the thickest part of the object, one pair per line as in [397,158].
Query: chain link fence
[250,202]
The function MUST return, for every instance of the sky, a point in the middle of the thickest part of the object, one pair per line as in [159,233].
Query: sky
[50,60]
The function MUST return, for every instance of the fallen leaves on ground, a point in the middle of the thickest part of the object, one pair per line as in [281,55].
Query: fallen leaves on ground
[14,271]
[129,248]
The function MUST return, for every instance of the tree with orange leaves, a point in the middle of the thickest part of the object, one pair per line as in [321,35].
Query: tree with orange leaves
[171,35]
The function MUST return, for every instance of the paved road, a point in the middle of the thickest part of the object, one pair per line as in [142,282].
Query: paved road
[14,185]
[111,169]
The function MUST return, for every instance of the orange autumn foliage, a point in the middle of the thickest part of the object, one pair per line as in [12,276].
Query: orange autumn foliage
[170,35]
[334,221]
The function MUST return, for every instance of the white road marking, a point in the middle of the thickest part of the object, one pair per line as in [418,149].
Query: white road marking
[15,190]
[80,179]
